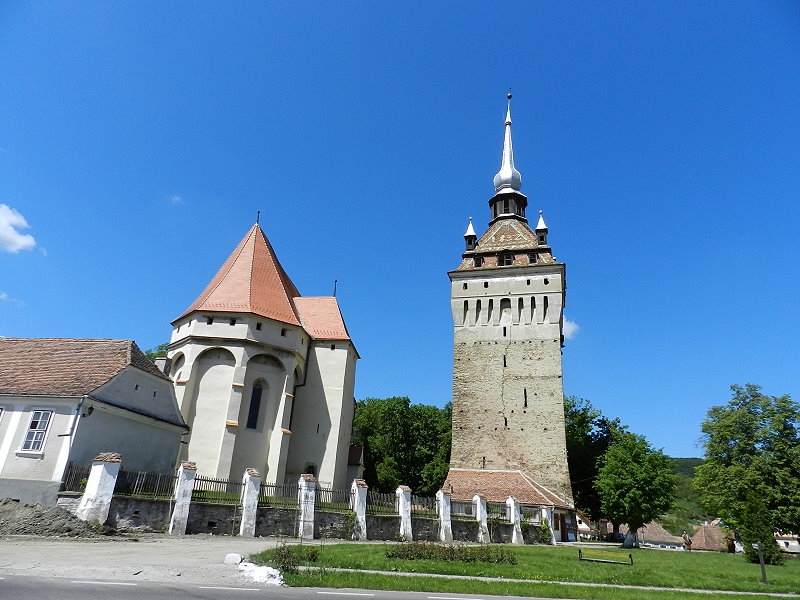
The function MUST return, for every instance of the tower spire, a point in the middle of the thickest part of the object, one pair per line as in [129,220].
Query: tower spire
[508,176]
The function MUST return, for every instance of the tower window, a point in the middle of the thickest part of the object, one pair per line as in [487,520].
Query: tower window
[505,259]
[478,261]
[258,326]
[505,334]
[506,205]
[504,356]
[333,346]
[533,258]
[283,332]
[255,406]
[465,286]
[232,321]
[542,238]
[209,320]
[525,396]
[486,284]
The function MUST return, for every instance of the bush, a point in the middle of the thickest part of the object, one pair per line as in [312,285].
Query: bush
[465,554]
[287,559]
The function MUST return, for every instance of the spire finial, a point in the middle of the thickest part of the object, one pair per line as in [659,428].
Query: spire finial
[258,216]
[508,176]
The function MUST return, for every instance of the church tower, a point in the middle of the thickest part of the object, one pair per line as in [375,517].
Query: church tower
[507,299]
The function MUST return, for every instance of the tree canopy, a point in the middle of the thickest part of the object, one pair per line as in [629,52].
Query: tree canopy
[404,443]
[589,435]
[635,483]
[752,466]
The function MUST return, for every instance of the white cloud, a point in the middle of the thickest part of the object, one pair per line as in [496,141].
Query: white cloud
[6,298]
[11,240]
[175,199]
[571,329]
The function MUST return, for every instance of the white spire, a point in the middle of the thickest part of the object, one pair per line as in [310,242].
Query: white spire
[540,225]
[470,229]
[508,176]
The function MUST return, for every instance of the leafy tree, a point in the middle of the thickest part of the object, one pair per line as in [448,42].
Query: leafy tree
[635,483]
[752,466]
[589,435]
[157,352]
[404,443]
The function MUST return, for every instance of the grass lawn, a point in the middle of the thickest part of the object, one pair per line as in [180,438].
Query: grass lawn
[698,570]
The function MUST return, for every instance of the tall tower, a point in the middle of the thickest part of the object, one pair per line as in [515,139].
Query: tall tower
[507,297]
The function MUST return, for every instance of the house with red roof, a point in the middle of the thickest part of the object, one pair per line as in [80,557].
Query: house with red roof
[67,400]
[264,376]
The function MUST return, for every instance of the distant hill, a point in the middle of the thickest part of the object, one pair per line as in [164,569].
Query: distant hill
[686,512]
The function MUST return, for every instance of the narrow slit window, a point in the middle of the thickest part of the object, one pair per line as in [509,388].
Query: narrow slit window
[258,326]
[232,321]
[544,310]
[209,320]
[255,406]
[525,398]
[466,311]
[504,360]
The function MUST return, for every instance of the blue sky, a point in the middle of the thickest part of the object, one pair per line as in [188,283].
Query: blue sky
[661,140]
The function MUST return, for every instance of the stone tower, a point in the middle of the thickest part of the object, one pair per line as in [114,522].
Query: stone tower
[507,299]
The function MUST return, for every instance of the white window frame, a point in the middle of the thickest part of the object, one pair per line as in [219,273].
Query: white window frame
[35,438]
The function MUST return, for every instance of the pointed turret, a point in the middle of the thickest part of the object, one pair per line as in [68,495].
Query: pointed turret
[470,237]
[541,230]
[508,178]
[508,201]
[252,280]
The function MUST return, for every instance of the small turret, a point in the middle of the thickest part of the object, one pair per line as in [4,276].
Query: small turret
[469,237]
[541,231]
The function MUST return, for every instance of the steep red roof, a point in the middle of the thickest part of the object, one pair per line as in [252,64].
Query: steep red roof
[64,366]
[322,318]
[252,280]
[497,486]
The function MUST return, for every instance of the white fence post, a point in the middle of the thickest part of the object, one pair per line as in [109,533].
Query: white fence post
[184,486]
[96,500]
[480,516]
[443,508]
[515,517]
[306,496]
[251,487]
[358,504]
[404,510]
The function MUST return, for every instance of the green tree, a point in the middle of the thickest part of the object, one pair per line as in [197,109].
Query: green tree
[635,483]
[752,466]
[589,435]
[404,443]
[157,352]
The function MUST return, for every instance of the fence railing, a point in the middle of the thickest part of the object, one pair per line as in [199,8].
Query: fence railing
[497,511]
[422,506]
[278,496]
[379,503]
[217,491]
[143,484]
[75,477]
[334,500]
[461,509]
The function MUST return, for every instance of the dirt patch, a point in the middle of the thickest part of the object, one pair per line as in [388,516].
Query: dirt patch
[17,518]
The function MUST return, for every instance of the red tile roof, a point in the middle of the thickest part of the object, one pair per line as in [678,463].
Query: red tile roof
[252,280]
[64,366]
[321,317]
[497,486]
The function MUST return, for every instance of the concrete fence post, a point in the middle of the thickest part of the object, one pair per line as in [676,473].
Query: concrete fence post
[404,510]
[443,509]
[515,517]
[306,497]
[480,516]
[184,486]
[251,488]
[548,514]
[358,504]
[96,499]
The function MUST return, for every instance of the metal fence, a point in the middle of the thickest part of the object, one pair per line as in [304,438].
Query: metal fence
[462,509]
[334,500]
[278,496]
[422,506]
[379,503]
[497,511]
[75,478]
[143,484]
[217,491]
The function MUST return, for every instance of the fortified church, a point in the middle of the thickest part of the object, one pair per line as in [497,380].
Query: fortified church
[507,300]
[263,376]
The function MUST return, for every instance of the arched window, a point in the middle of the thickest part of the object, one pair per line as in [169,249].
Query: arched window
[255,406]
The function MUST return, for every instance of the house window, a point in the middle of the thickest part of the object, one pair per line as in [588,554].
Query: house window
[505,259]
[283,332]
[34,438]
[258,326]
[255,406]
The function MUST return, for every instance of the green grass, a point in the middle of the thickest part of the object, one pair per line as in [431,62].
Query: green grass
[707,571]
